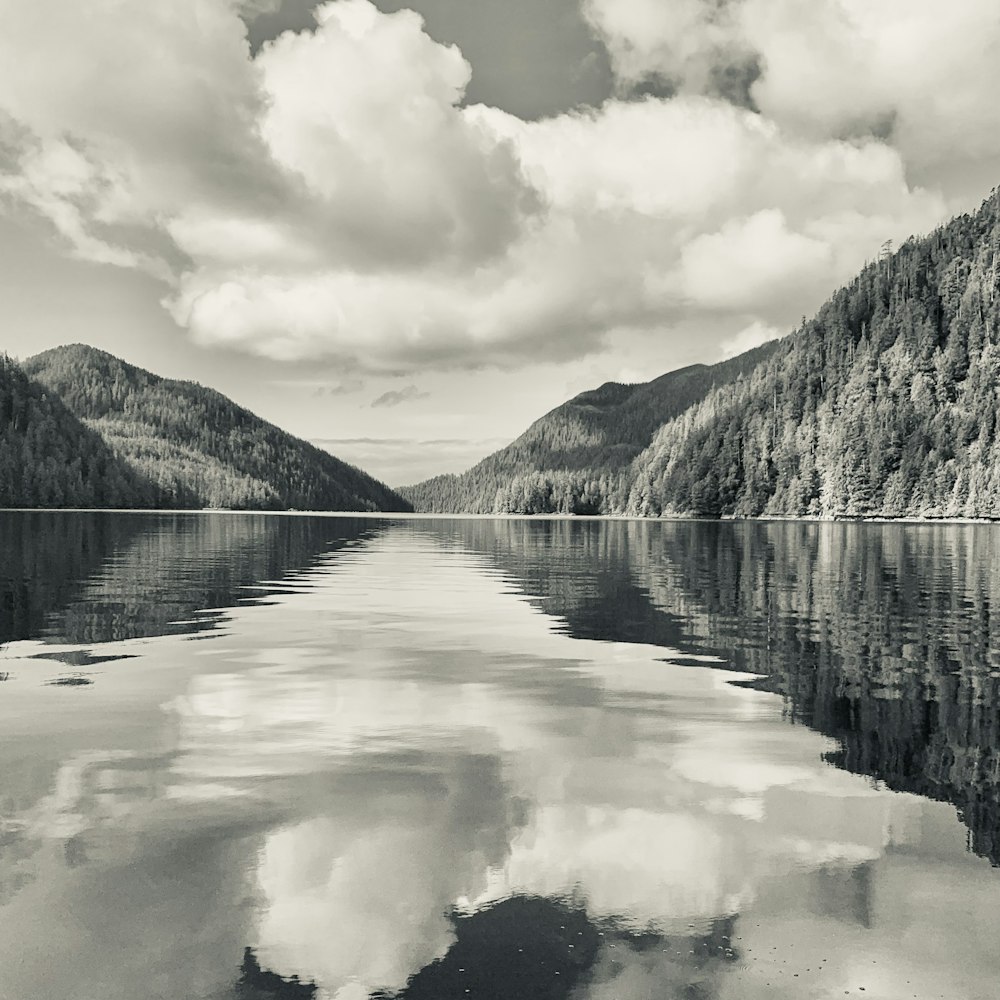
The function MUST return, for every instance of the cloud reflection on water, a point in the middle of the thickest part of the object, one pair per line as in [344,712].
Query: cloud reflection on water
[659,794]
[407,734]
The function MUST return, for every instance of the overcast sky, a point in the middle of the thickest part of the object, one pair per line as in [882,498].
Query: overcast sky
[409,233]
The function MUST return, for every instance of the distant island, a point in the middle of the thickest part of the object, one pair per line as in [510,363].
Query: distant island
[81,428]
[885,404]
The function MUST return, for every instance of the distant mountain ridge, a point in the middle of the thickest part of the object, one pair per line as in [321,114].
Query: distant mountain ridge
[165,443]
[580,450]
[885,404]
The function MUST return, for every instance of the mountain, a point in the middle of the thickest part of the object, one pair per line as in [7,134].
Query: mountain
[192,446]
[581,451]
[50,458]
[884,404]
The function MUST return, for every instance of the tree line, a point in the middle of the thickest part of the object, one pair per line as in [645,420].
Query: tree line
[884,404]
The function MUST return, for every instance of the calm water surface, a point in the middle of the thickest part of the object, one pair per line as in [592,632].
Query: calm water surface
[249,757]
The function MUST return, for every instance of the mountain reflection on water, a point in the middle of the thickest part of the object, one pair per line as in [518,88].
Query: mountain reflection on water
[442,758]
[94,577]
[882,636]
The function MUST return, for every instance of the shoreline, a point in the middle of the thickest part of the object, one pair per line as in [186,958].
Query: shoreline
[466,516]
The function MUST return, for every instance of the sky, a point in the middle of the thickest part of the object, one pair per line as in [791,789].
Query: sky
[407,230]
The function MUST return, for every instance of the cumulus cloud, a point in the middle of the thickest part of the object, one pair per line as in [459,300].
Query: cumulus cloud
[363,112]
[328,195]
[750,261]
[748,338]
[688,205]
[692,44]
[899,69]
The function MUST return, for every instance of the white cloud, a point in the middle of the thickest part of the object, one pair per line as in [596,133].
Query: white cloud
[748,338]
[680,42]
[331,197]
[903,64]
[671,207]
[904,69]
[750,262]
[363,111]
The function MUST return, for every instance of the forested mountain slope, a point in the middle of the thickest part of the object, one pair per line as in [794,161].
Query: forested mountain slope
[886,403]
[581,450]
[49,458]
[196,447]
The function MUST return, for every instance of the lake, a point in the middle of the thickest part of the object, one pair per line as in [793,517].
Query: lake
[251,756]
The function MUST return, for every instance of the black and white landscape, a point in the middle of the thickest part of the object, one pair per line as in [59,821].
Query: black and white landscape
[499,500]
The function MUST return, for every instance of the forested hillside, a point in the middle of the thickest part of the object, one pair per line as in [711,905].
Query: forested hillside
[884,404]
[580,452]
[196,447]
[49,458]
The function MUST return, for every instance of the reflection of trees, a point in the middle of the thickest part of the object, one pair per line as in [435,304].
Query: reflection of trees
[575,570]
[881,636]
[45,558]
[99,577]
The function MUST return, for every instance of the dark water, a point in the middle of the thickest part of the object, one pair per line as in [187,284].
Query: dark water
[256,756]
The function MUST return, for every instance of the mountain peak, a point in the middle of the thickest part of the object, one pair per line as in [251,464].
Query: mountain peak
[192,446]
